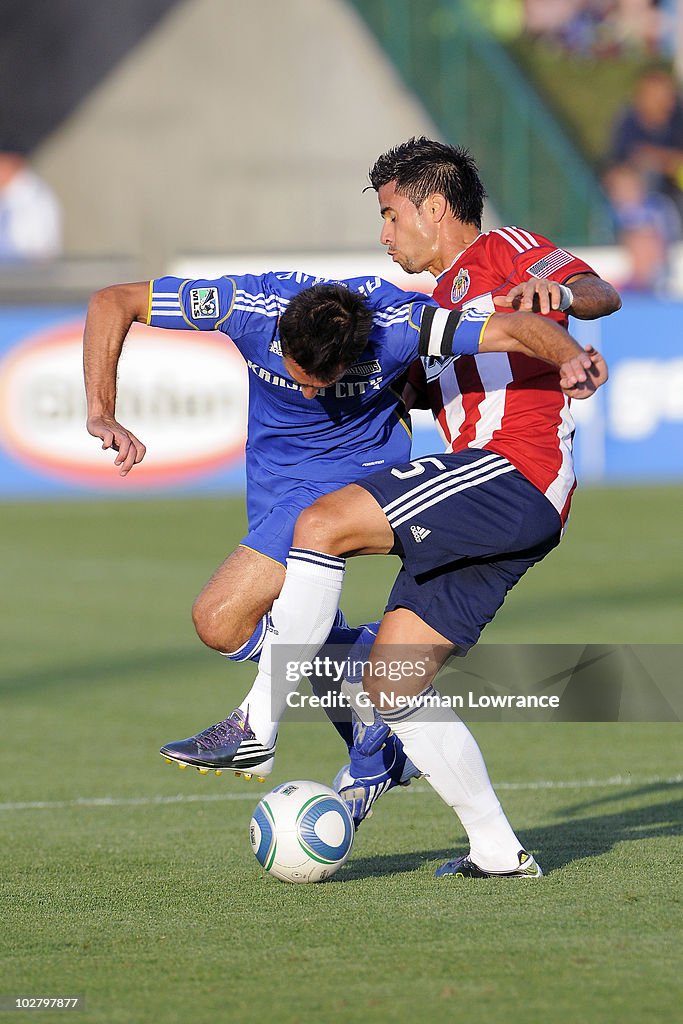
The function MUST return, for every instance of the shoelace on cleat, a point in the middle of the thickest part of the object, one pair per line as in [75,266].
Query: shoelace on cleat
[220,733]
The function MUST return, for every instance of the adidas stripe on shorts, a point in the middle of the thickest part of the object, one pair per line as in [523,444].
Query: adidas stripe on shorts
[467,526]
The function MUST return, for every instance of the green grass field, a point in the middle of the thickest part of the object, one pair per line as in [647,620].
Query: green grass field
[133,884]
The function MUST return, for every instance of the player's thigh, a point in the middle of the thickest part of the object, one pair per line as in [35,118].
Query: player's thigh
[345,522]
[244,587]
[461,599]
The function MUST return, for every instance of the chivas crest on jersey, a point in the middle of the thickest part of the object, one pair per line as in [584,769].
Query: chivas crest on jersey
[461,284]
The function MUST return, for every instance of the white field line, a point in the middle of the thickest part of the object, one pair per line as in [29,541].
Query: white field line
[624,781]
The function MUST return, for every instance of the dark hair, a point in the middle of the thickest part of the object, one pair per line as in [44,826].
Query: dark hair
[325,329]
[422,166]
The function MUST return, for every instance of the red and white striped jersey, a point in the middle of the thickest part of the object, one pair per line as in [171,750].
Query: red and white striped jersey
[506,402]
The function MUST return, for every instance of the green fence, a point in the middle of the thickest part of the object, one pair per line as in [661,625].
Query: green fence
[478,97]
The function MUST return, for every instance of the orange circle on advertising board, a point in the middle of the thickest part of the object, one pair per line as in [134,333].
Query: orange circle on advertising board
[182,393]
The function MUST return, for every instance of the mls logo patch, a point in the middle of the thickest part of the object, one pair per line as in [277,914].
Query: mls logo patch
[204,303]
[461,286]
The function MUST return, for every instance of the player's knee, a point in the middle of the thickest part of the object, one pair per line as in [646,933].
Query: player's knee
[320,527]
[213,625]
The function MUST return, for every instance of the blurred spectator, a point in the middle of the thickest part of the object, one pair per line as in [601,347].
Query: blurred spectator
[594,28]
[647,256]
[638,24]
[548,17]
[566,22]
[646,224]
[633,202]
[30,217]
[649,133]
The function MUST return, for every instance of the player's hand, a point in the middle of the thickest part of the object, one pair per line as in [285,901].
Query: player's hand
[581,376]
[537,295]
[129,449]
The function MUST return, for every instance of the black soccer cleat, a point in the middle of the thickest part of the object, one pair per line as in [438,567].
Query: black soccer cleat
[229,745]
[463,867]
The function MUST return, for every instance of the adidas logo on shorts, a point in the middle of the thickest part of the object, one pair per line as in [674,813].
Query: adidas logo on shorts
[419,533]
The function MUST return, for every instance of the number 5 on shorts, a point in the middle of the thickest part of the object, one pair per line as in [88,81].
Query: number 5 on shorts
[418,467]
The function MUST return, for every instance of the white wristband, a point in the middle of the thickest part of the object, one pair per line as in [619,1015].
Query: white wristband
[566,297]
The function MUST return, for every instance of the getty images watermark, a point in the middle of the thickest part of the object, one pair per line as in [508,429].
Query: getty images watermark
[325,667]
[494,682]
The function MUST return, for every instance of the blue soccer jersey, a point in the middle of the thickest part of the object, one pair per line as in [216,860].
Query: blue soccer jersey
[356,425]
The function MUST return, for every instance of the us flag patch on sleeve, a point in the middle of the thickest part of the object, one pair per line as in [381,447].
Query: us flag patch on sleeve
[549,264]
[204,303]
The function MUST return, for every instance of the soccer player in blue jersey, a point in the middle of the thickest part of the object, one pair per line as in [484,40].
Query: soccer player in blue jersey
[303,441]
[324,361]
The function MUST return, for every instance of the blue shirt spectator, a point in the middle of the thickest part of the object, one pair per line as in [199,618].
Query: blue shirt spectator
[649,133]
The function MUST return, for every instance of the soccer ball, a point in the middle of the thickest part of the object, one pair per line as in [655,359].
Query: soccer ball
[301,832]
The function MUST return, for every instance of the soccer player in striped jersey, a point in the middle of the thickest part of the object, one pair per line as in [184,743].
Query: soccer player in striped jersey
[467,523]
[431,202]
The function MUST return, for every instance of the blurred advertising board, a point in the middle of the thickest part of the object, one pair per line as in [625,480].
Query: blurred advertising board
[632,430]
[185,396]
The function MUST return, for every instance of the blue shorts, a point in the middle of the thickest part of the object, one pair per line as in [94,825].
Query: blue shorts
[273,506]
[467,527]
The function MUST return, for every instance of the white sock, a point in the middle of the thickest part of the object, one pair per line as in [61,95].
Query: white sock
[301,618]
[444,749]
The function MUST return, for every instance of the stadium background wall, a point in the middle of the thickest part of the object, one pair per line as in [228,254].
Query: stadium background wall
[185,396]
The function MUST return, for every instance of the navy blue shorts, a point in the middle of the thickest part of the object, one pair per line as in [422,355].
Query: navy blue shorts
[467,527]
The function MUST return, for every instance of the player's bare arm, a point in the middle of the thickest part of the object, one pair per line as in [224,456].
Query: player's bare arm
[111,312]
[581,370]
[585,296]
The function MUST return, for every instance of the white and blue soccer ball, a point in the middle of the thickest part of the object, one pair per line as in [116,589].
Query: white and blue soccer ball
[302,832]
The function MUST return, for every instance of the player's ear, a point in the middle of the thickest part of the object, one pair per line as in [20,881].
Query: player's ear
[437,206]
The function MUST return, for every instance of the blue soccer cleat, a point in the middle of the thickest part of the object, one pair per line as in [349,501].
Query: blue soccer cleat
[463,867]
[377,764]
[229,745]
[367,740]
